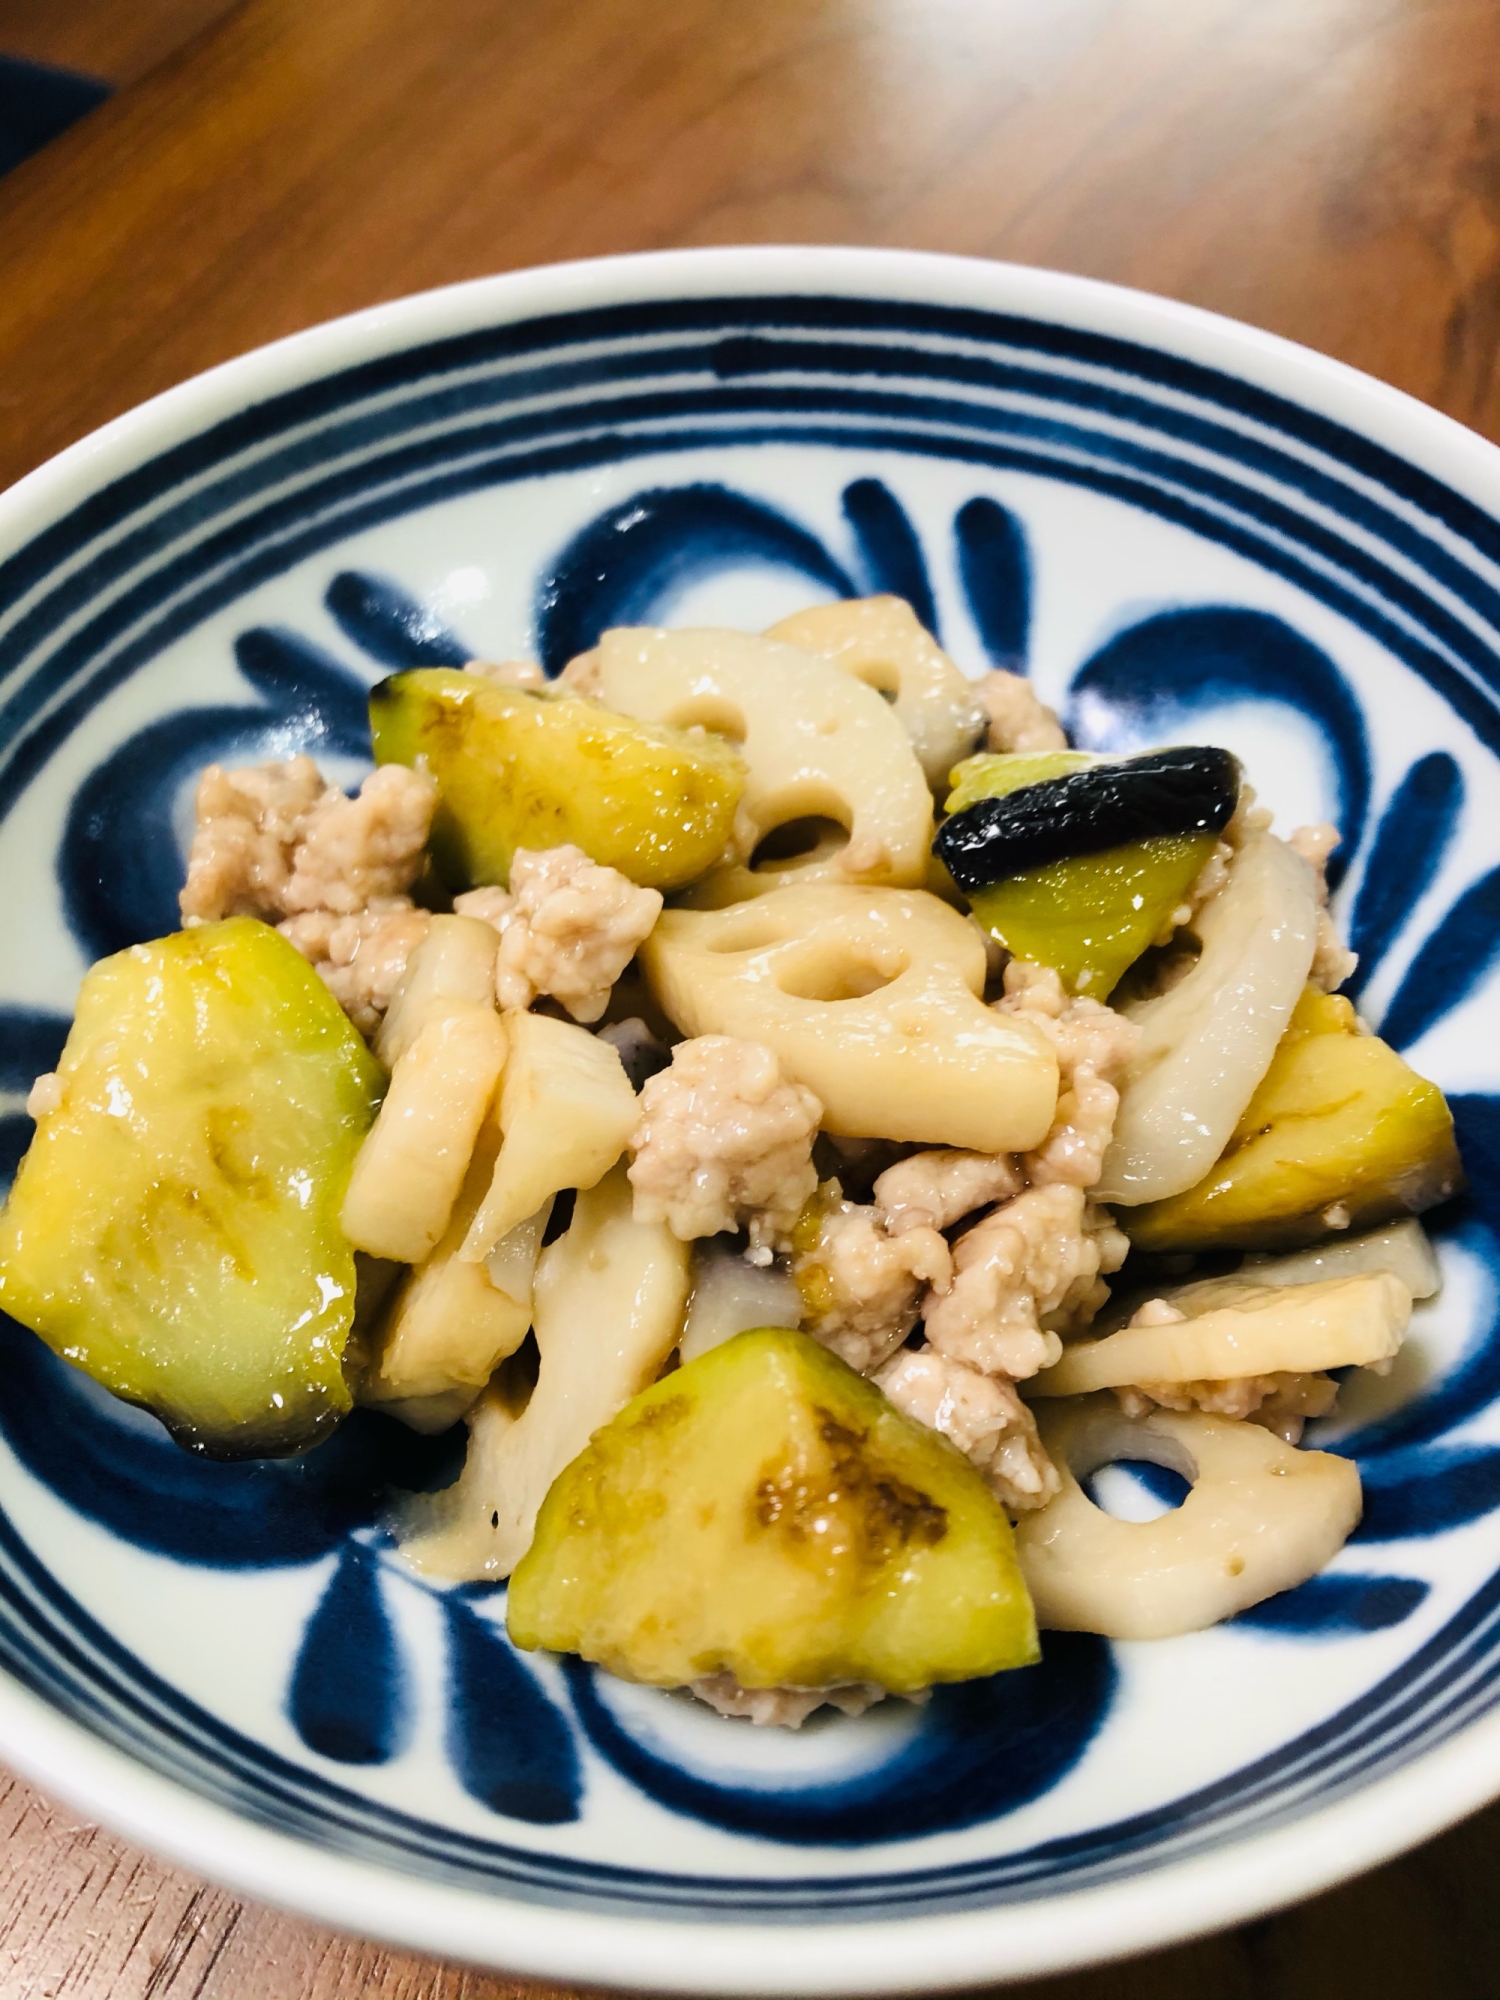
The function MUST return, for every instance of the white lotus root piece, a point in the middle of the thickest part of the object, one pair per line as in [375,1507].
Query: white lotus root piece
[608,1305]
[724,1140]
[1207,1041]
[1333,962]
[1298,1329]
[568,927]
[448,1326]
[982,1415]
[451,970]
[1022,1275]
[859,1284]
[818,745]
[1018,718]
[882,643]
[565,1109]
[1248,819]
[412,1164]
[732,1295]
[871,998]
[1261,1517]
[1402,1248]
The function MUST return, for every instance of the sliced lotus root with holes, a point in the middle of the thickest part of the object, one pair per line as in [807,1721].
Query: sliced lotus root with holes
[881,642]
[835,792]
[869,997]
[1262,1517]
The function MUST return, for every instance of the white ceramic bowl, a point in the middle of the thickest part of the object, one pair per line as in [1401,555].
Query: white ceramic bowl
[1179,525]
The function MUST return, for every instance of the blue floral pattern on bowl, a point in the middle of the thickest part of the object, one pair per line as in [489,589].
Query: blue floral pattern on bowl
[1170,554]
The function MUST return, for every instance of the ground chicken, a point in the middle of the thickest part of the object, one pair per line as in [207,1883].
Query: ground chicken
[509,673]
[934,1190]
[1021,1276]
[1211,877]
[1082,1031]
[357,854]
[860,1285]
[581,675]
[1333,962]
[360,958]
[45,1096]
[567,928]
[982,1415]
[248,824]
[1019,720]
[276,842]
[1156,1312]
[724,1141]
[1094,1045]
[1283,1403]
[784,1708]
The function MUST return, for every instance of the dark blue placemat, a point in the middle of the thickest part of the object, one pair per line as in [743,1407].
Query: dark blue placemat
[37,102]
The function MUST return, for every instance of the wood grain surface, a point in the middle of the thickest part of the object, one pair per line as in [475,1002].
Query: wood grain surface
[1326,168]
[104,38]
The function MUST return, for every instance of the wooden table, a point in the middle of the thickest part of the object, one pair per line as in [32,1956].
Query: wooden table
[1326,168]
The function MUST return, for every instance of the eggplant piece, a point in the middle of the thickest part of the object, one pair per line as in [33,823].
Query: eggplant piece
[765,1512]
[516,769]
[1091,918]
[174,1229]
[1193,790]
[992,774]
[1340,1134]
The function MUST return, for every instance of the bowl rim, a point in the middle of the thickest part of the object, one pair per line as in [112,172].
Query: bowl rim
[1059,1931]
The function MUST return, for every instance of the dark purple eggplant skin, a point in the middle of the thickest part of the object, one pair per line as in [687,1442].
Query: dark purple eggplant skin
[1192,790]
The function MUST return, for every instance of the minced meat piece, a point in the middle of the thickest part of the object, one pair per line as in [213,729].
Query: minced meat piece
[568,928]
[783,1707]
[360,958]
[1094,1045]
[581,675]
[1282,1403]
[860,1285]
[1022,1275]
[1019,719]
[248,823]
[509,673]
[275,841]
[1333,962]
[723,1141]
[982,1415]
[933,1190]
[490,905]
[355,854]
[45,1095]
[1214,874]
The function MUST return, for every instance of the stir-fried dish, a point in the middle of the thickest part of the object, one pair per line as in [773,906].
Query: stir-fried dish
[805,1119]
